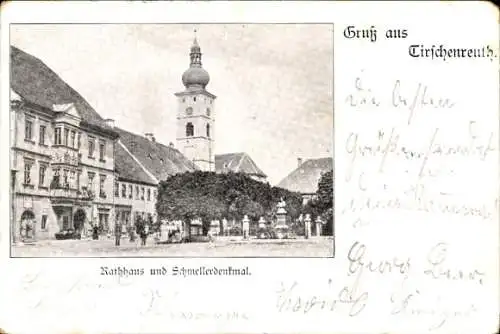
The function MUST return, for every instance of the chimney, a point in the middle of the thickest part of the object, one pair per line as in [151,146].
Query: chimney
[110,122]
[150,136]
[299,162]
[171,144]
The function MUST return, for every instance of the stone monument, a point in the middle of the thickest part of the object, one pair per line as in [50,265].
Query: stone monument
[319,226]
[307,226]
[262,222]
[281,213]
[246,227]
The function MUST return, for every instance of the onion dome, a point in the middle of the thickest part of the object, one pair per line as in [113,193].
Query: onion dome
[195,75]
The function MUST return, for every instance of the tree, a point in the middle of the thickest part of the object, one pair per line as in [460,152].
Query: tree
[208,209]
[325,201]
[325,190]
[210,196]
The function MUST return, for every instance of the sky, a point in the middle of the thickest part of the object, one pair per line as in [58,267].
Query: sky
[273,83]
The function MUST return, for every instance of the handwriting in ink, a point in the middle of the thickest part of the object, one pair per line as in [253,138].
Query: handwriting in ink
[420,98]
[438,269]
[416,303]
[423,202]
[358,261]
[385,146]
[290,300]
[362,96]
[427,153]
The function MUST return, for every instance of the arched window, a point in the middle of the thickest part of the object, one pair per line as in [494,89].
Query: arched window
[208,130]
[28,214]
[189,111]
[27,224]
[189,130]
[208,111]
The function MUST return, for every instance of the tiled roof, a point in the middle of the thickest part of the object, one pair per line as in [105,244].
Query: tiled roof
[36,83]
[237,163]
[160,160]
[128,168]
[305,178]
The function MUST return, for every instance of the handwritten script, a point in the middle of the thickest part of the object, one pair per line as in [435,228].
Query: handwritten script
[97,296]
[415,161]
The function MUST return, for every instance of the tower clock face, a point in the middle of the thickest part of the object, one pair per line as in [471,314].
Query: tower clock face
[189,111]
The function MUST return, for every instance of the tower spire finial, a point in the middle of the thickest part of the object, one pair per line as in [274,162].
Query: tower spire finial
[195,53]
[195,42]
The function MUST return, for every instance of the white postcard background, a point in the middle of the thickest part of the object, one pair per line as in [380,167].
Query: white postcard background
[68,295]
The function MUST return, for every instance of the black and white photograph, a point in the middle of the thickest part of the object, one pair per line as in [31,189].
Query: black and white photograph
[171,140]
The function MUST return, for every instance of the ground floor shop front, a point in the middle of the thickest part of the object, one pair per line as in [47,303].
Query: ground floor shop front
[40,218]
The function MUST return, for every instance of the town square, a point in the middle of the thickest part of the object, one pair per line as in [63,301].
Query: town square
[218,153]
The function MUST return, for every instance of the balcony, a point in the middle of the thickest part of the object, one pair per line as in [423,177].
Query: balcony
[63,196]
[85,194]
[63,192]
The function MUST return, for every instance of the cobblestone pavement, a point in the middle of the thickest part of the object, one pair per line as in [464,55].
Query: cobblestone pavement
[314,247]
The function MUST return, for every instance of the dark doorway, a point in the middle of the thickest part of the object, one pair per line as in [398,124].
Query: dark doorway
[27,224]
[79,220]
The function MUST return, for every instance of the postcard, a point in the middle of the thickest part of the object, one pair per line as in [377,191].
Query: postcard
[253,167]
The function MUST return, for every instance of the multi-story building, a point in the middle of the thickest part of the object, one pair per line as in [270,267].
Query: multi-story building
[141,163]
[239,163]
[135,189]
[304,179]
[62,160]
[72,169]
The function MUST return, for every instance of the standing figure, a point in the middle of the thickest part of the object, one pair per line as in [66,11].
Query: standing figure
[144,234]
[131,233]
[118,234]
[95,232]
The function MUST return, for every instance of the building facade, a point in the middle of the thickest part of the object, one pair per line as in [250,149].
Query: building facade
[62,161]
[239,163]
[135,190]
[304,179]
[72,169]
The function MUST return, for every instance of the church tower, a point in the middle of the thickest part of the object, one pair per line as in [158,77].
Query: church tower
[195,114]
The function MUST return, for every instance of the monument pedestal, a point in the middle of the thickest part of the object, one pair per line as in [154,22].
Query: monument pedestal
[307,226]
[281,219]
[281,214]
[246,227]
[319,226]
